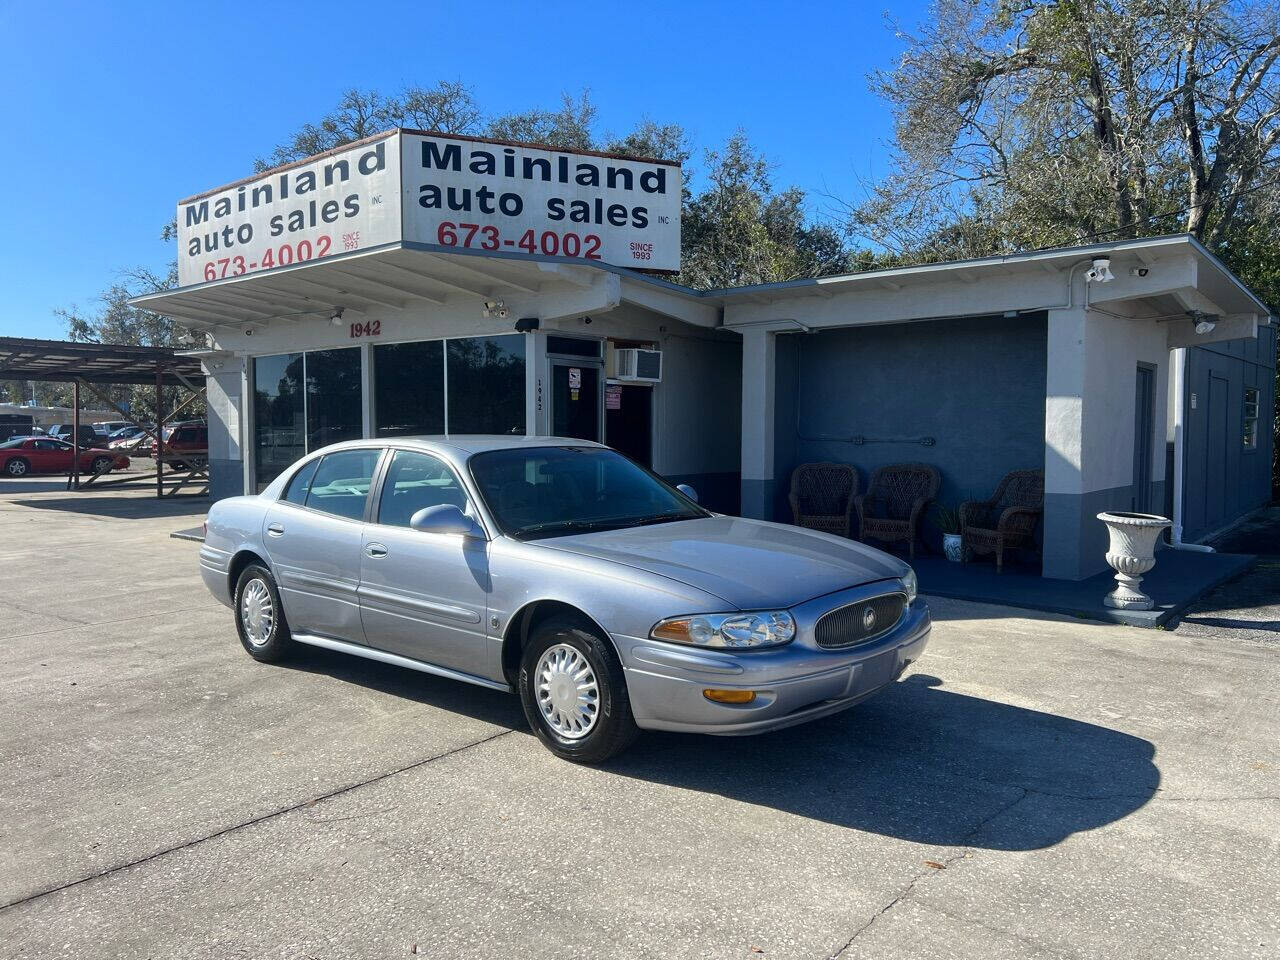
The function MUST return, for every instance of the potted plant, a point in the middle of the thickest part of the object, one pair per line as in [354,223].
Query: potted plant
[947,520]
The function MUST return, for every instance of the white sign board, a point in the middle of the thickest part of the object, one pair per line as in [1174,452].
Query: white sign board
[443,192]
[346,201]
[490,196]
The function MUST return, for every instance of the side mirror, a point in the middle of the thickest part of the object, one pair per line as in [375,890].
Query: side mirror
[445,518]
[688,491]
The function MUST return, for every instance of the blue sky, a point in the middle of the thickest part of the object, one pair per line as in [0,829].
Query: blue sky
[115,111]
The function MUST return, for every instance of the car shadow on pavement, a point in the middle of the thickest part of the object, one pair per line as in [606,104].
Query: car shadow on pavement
[924,764]
[917,762]
[487,706]
[121,507]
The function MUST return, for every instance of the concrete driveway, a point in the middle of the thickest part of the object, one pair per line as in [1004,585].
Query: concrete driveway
[1039,788]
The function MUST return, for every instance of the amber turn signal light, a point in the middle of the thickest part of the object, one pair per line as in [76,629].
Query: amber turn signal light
[730,696]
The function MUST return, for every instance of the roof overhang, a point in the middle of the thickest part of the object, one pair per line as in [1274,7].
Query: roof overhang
[407,276]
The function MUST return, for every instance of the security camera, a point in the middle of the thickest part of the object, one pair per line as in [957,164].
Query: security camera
[1138,271]
[1100,272]
[249,331]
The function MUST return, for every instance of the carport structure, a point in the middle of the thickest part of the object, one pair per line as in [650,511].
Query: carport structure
[95,366]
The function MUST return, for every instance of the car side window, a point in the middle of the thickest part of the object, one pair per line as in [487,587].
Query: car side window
[342,481]
[415,481]
[301,483]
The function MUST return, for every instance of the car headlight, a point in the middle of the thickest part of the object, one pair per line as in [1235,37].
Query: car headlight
[768,628]
[910,584]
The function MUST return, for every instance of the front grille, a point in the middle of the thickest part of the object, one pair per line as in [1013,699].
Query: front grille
[851,625]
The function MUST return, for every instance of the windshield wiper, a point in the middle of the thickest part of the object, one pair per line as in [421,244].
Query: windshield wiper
[656,518]
[564,525]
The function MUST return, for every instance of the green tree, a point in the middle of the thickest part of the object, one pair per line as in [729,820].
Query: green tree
[738,231]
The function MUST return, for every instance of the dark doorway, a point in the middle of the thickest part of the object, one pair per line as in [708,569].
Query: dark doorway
[628,413]
[1143,418]
[575,401]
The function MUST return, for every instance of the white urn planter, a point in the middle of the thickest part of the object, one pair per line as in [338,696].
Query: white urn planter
[1132,553]
[953,547]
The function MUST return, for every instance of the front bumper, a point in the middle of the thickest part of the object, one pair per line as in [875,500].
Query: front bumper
[793,684]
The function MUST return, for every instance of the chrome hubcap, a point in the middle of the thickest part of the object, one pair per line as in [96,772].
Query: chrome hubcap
[567,692]
[17,468]
[257,613]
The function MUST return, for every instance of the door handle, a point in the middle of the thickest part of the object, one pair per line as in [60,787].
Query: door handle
[375,550]
[275,529]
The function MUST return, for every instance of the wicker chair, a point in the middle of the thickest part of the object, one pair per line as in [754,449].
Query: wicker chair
[822,496]
[894,503]
[1007,520]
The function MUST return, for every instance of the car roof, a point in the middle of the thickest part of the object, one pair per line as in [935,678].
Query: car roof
[471,443]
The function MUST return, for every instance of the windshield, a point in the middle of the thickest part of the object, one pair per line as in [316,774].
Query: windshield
[10,444]
[556,491]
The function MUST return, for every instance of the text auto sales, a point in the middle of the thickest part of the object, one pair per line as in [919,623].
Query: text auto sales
[582,171]
[281,187]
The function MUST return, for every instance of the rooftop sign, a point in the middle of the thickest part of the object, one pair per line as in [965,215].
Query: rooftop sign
[445,192]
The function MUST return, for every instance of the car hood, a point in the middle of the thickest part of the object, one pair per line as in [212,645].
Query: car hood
[751,564]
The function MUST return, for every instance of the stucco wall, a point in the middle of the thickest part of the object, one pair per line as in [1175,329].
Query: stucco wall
[975,385]
[1089,436]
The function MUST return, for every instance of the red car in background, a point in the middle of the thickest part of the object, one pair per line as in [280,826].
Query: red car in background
[23,455]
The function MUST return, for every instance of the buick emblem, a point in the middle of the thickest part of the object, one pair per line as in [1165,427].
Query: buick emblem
[869,619]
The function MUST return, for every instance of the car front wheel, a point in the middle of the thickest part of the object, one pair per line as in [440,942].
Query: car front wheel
[574,693]
[17,467]
[260,621]
[101,465]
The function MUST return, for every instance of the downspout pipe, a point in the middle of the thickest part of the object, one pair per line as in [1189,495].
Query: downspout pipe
[1179,453]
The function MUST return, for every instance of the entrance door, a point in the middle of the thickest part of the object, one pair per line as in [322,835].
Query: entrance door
[575,400]
[628,425]
[1143,416]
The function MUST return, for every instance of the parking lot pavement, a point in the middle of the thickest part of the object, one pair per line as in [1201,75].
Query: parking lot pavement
[1039,788]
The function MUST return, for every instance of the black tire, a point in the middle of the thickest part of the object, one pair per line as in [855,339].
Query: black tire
[613,728]
[17,467]
[276,642]
[101,465]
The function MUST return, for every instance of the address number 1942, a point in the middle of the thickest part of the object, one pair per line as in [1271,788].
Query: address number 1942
[370,328]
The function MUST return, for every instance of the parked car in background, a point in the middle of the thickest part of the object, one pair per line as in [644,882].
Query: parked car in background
[127,438]
[26,455]
[106,428]
[187,441]
[62,431]
[561,570]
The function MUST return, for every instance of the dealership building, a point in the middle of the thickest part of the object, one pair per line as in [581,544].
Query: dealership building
[417,283]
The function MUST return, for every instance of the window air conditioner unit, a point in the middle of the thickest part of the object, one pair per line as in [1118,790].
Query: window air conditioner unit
[634,364]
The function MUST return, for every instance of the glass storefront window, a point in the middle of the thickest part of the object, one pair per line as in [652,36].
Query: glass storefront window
[408,388]
[304,401]
[486,384]
[333,397]
[279,425]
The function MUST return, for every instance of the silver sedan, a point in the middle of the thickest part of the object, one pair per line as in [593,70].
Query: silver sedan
[561,570]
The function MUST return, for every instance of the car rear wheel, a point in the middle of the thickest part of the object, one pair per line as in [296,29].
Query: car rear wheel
[574,693]
[17,467]
[260,620]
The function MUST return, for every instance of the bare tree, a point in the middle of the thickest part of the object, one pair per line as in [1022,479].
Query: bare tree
[1027,122]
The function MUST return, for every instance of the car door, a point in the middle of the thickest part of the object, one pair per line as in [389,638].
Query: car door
[425,595]
[51,456]
[313,535]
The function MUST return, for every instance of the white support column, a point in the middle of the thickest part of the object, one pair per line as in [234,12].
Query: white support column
[367,394]
[759,348]
[1064,426]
